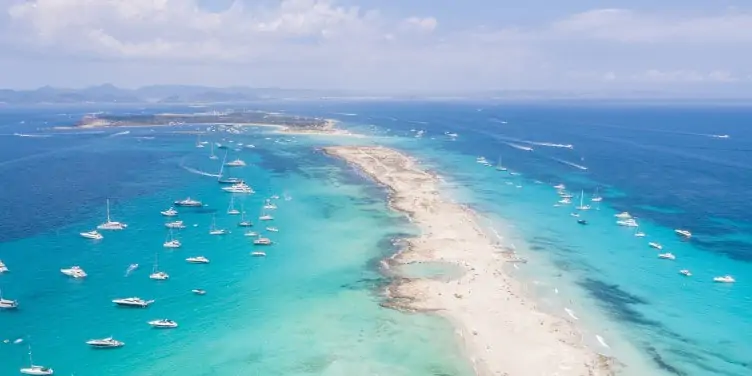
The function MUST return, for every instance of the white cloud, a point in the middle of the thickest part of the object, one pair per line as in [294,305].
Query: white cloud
[424,24]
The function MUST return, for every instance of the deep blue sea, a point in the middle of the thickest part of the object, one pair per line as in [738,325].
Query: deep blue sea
[311,307]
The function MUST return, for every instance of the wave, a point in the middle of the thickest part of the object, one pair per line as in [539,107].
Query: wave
[497,121]
[417,122]
[550,144]
[571,313]
[345,114]
[119,134]
[600,339]
[32,135]
[575,165]
[520,147]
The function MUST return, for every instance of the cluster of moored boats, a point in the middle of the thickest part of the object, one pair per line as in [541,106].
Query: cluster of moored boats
[235,186]
[627,220]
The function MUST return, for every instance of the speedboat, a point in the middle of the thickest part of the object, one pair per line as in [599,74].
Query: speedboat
[639,234]
[623,215]
[74,271]
[251,233]
[133,302]
[198,291]
[667,256]
[174,243]
[105,343]
[171,212]
[628,223]
[3,268]
[258,254]
[683,233]
[266,217]
[560,187]
[272,229]
[655,245]
[236,163]
[159,276]
[37,370]
[685,272]
[724,279]
[163,324]
[188,202]
[175,224]
[262,241]
[7,303]
[582,221]
[197,260]
[229,180]
[92,235]
[110,224]
[239,188]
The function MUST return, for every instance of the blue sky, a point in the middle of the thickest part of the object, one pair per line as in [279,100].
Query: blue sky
[381,45]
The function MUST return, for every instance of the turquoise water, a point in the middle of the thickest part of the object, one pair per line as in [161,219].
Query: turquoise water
[311,307]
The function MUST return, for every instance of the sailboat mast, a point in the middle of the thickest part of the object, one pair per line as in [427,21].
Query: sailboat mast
[108,210]
[582,197]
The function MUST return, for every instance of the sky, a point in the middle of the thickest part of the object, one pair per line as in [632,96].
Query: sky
[384,46]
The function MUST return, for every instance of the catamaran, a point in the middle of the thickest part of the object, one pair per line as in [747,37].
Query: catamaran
[110,224]
[74,271]
[34,369]
[94,234]
[155,273]
[231,209]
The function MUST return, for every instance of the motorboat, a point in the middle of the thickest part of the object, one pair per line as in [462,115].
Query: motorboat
[272,229]
[236,163]
[582,221]
[174,243]
[655,245]
[229,180]
[175,225]
[133,302]
[266,217]
[105,343]
[197,260]
[685,272]
[262,241]
[94,234]
[639,234]
[251,233]
[683,233]
[131,268]
[275,197]
[724,279]
[110,224]
[560,187]
[258,254]
[667,256]
[574,214]
[3,267]
[171,212]
[74,271]
[218,232]
[628,223]
[198,291]
[159,276]
[565,201]
[163,324]
[623,215]
[239,188]
[596,199]
[188,202]
[7,303]
[268,205]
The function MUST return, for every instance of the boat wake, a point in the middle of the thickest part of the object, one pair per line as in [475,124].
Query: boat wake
[32,135]
[120,134]
[520,147]
[417,122]
[497,121]
[345,114]
[199,172]
[575,165]
[549,144]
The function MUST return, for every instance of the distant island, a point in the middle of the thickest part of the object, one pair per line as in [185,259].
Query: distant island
[285,123]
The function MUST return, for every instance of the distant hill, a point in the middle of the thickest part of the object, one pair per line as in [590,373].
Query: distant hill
[153,94]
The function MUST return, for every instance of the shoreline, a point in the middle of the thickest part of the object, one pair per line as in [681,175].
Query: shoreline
[502,331]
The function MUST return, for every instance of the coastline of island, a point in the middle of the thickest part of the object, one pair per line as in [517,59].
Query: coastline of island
[500,328]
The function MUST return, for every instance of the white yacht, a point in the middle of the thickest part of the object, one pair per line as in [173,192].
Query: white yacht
[163,324]
[683,233]
[258,254]
[175,225]
[262,241]
[623,215]
[94,234]
[199,291]
[251,233]
[133,302]
[188,202]
[74,271]
[171,212]
[582,202]
[105,343]
[239,188]
[7,303]
[655,245]
[35,369]
[3,268]
[110,224]
[667,256]
[272,229]
[197,260]
[236,163]
[685,272]
[724,279]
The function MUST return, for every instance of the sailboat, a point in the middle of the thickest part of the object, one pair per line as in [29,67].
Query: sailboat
[214,230]
[155,273]
[265,216]
[34,369]
[244,222]
[171,242]
[199,144]
[231,209]
[499,167]
[212,155]
[229,180]
[582,203]
[110,224]
[596,197]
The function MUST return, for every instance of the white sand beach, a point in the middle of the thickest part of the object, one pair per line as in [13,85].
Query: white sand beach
[503,332]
